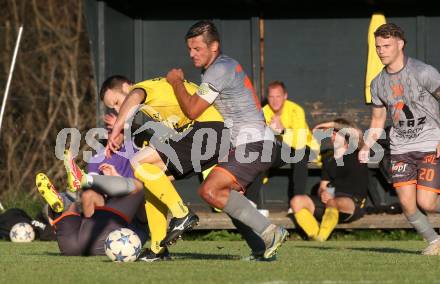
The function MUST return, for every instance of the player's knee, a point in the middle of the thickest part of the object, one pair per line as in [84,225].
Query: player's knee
[344,204]
[204,190]
[427,205]
[208,191]
[297,202]
[138,170]
[87,196]
[92,197]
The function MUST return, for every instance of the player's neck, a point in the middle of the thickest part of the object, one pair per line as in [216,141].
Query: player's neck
[397,64]
[278,112]
[211,61]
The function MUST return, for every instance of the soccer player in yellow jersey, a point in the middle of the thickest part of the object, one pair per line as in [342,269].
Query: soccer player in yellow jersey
[177,148]
[158,102]
[288,120]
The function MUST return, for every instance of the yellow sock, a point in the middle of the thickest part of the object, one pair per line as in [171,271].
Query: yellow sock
[328,223]
[307,222]
[157,221]
[158,184]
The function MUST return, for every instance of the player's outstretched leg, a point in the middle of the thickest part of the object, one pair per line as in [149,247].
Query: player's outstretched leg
[273,238]
[49,193]
[74,173]
[178,226]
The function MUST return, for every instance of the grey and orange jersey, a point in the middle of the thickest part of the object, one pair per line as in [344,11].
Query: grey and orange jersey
[229,89]
[409,98]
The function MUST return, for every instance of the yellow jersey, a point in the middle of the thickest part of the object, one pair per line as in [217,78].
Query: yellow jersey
[296,131]
[161,104]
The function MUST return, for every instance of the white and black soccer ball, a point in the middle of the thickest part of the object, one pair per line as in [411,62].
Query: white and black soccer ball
[22,233]
[123,245]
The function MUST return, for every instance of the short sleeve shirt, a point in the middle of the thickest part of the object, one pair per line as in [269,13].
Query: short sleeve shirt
[350,178]
[409,98]
[229,89]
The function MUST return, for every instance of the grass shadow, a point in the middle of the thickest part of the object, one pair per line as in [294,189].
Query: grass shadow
[378,250]
[177,255]
[50,253]
[190,255]
[385,250]
[46,253]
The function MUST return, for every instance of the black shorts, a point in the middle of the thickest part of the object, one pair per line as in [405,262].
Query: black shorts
[359,208]
[77,235]
[420,168]
[197,150]
[245,162]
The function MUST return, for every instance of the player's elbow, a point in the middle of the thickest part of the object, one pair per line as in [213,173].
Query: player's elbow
[138,95]
[192,114]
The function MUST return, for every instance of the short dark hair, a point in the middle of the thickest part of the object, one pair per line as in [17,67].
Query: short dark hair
[113,82]
[205,28]
[390,30]
[342,125]
[277,83]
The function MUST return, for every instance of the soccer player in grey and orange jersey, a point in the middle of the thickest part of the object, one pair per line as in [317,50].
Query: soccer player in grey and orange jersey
[409,90]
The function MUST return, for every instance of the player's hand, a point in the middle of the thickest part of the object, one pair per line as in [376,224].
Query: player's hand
[108,170]
[364,154]
[110,120]
[114,143]
[175,76]
[276,124]
[438,150]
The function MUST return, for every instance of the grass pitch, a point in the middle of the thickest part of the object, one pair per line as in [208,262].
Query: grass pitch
[220,262]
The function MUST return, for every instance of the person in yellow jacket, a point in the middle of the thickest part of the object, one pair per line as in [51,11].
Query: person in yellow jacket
[287,119]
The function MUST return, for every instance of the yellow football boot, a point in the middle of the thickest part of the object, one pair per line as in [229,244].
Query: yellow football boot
[49,193]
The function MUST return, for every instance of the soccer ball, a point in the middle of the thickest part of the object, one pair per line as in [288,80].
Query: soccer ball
[123,245]
[22,233]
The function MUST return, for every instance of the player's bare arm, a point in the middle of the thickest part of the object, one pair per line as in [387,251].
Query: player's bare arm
[437,96]
[192,106]
[352,131]
[134,98]
[378,118]
[110,120]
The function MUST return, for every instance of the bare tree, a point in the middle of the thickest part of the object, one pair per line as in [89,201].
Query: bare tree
[53,87]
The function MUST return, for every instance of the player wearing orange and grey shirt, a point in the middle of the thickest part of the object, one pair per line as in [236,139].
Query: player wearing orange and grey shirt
[226,86]
[409,90]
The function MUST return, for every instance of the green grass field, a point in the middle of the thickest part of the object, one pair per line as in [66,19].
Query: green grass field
[220,262]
